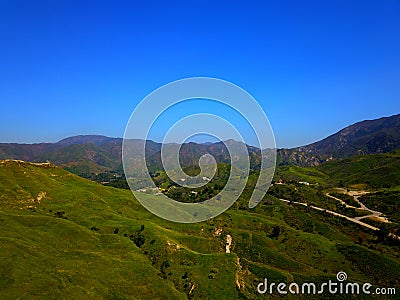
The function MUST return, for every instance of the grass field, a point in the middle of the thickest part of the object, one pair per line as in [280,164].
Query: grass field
[64,237]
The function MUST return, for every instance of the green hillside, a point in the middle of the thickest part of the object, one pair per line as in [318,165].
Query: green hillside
[373,171]
[64,237]
[376,170]
[306,174]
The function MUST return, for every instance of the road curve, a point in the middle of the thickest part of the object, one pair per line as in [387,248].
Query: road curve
[354,220]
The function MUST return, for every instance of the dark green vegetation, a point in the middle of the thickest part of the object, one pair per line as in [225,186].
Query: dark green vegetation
[67,237]
[387,202]
[349,200]
[188,195]
[312,196]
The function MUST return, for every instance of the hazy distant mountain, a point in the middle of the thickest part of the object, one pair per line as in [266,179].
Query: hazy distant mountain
[88,139]
[85,154]
[25,151]
[190,153]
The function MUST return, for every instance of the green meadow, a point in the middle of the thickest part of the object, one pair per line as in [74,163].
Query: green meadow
[65,237]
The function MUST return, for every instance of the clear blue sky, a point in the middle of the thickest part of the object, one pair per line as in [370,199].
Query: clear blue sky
[69,68]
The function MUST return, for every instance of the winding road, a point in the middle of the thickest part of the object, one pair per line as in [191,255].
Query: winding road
[375,214]
[354,220]
[356,195]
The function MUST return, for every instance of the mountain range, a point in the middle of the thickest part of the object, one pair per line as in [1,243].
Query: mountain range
[86,154]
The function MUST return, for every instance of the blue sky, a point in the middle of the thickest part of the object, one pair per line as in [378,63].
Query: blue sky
[69,68]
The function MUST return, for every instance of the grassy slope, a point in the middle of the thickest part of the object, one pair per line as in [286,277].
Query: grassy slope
[55,257]
[296,173]
[377,171]
[103,244]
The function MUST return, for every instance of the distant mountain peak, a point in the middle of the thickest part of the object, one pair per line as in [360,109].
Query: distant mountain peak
[86,139]
[366,137]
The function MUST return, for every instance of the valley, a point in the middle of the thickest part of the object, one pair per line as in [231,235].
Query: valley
[70,237]
[295,234]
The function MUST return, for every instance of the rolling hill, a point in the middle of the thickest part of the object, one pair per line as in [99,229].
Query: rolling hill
[63,236]
[375,170]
